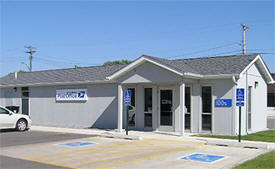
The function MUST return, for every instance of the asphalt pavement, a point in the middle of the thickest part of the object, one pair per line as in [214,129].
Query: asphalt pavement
[11,138]
[15,138]
[15,163]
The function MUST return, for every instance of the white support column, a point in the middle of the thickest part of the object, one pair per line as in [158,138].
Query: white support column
[120,107]
[182,107]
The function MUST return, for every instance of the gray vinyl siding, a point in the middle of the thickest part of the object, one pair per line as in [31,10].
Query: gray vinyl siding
[10,97]
[99,111]
[150,73]
[222,117]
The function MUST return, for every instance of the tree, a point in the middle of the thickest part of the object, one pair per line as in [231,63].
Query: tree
[123,61]
[19,71]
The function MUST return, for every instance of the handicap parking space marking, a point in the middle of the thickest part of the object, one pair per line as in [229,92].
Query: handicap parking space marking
[114,155]
[77,144]
[202,157]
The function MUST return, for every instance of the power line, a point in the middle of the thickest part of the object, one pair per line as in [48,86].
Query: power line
[63,62]
[205,50]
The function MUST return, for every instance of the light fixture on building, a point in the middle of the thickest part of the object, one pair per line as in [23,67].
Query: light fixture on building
[256,85]
[15,89]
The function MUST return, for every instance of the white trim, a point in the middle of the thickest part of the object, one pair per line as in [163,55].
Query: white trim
[182,108]
[258,57]
[138,62]
[120,108]
[57,83]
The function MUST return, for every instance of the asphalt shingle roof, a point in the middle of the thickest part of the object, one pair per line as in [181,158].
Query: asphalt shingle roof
[203,66]
[93,73]
[233,64]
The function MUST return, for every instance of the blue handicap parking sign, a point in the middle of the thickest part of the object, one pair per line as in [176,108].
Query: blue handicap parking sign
[240,94]
[240,97]
[127,97]
[203,157]
[77,144]
[241,104]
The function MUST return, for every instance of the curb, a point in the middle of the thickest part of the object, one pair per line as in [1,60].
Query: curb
[105,134]
[235,143]
[127,137]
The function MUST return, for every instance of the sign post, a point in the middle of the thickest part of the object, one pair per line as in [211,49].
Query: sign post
[240,103]
[127,99]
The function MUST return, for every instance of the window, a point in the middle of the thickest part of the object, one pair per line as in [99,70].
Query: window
[249,106]
[206,108]
[148,99]
[3,111]
[188,107]
[188,99]
[206,100]
[148,107]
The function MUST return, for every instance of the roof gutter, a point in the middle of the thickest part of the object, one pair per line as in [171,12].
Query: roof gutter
[60,83]
[219,76]
[234,80]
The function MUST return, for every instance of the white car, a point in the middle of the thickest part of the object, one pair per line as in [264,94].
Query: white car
[9,120]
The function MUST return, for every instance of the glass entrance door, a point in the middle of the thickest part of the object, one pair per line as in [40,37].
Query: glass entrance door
[166,107]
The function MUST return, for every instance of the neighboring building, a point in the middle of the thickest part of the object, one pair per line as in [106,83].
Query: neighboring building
[185,95]
[271,93]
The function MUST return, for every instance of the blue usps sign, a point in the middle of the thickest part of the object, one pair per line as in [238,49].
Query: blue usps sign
[223,102]
[127,97]
[240,94]
[203,158]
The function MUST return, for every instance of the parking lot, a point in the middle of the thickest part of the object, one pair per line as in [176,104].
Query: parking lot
[60,150]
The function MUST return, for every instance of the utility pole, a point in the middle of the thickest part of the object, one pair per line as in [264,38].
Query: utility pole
[30,51]
[244,38]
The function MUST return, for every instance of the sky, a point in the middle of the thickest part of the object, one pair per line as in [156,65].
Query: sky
[89,33]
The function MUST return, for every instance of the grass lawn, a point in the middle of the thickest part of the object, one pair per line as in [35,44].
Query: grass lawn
[264,161]
[266,136]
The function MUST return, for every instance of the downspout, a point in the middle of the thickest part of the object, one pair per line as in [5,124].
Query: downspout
[234,80]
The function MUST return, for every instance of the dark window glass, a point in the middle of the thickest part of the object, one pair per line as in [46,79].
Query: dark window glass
[188,99]
[133,97]
[148,99]
[148,119]
[206,121]
[187,121]
[166,103]
[25,94]
[3,111]
[271,99]
[206,100]
[25,88]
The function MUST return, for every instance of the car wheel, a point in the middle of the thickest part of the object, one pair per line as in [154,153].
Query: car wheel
[21,125]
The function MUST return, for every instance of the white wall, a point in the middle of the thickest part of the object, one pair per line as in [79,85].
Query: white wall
[259,100]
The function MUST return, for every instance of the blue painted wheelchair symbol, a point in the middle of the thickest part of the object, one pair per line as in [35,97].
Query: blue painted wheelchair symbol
[203,158]
[77,144]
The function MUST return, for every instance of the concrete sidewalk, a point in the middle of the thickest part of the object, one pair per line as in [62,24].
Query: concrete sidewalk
[138,135]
